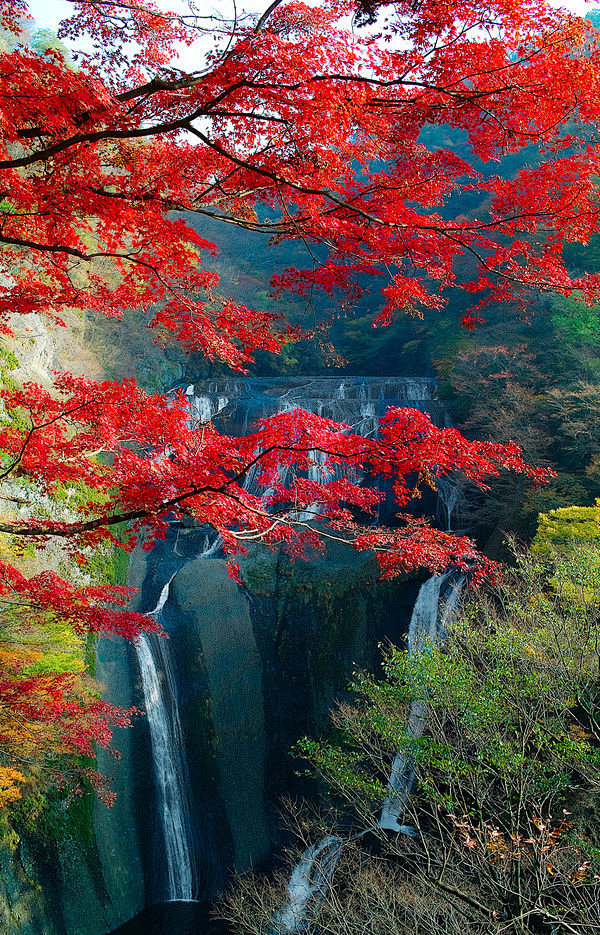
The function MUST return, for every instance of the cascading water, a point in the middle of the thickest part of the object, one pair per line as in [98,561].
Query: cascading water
[236,405]
[427,625]
[309,883]
[235,663]
[310,878]
[450,495]
[168,754]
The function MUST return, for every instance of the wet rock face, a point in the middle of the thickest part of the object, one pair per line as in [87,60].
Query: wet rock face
[315,623]
[356,401]
[23,908]
[222,671]
[257,666]
[57,888]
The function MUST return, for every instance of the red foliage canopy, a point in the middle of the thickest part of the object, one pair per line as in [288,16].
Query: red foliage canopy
[296,124]
[321,123]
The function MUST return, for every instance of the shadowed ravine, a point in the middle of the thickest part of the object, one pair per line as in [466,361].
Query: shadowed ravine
[246,671]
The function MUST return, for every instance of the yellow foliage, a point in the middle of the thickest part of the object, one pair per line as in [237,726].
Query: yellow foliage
[561,529]
[9,791]
[18,657]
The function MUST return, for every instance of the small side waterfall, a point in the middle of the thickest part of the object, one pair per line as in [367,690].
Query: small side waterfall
[309,883]
[168,754]
[450,496]
[427,625]
[312,874]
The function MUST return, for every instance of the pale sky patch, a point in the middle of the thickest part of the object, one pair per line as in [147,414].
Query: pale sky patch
[48,13]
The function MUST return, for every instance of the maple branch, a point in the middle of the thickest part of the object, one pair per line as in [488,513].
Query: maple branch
[493,270]
[181,123]
[71,529]
[36,428]
[470,900]
[260,227]
[252,114]
[159,84]
[265,16]
[156,13]
[74,529]
[280,180]
[87,257]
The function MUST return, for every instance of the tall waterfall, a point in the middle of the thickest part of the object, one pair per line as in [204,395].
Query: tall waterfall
[168,754]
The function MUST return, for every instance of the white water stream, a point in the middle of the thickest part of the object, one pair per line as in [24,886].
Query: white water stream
[312,874]
[309,883]
[168,755]
[428,625]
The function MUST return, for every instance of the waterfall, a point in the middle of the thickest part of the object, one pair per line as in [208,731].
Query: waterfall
[428,624]
[163,597]
[449,493]
[212,545]
[312,874]
[237,404]
[309,882]
[168,755]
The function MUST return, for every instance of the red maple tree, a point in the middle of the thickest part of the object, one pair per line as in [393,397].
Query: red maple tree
[303,122]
